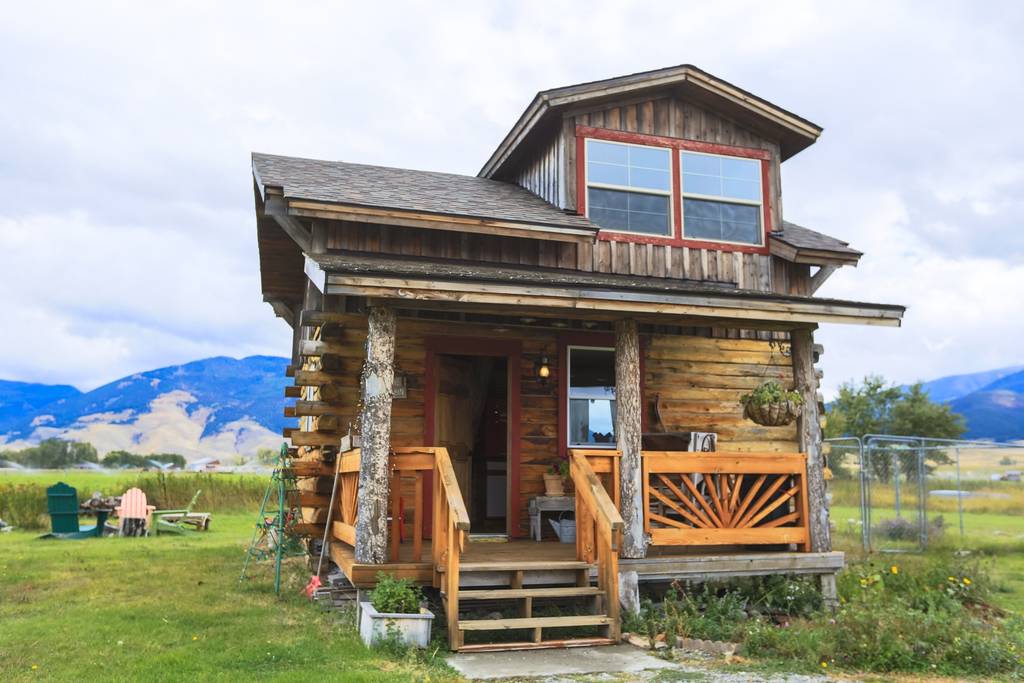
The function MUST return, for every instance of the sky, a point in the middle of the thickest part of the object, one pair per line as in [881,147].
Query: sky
[127,229]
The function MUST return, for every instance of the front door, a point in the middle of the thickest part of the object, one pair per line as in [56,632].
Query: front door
[471,422]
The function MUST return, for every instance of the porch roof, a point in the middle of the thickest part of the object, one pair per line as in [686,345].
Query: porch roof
[455,282]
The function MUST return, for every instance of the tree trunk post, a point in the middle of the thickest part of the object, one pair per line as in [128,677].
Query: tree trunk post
[806,381]
[627,435]
[375,431]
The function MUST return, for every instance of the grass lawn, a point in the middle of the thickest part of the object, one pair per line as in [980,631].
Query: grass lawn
[169,608]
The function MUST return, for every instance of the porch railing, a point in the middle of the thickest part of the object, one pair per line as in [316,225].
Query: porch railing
[404,463]
[450,526]
[725,498]
[598,533]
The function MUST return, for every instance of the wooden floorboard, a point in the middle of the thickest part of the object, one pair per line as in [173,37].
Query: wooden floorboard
[661,563]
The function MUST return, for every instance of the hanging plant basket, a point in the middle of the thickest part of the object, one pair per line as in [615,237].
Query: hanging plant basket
[772,406]
[772,414]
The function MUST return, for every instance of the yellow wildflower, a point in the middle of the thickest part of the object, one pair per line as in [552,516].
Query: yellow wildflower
[195,637]
[967,582]
[894,569]
[824,665]
[951,578]
[35,666]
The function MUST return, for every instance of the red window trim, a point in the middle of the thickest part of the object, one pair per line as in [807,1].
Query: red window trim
[600,340]
[674,144]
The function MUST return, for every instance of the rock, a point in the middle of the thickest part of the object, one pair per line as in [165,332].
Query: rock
[712,647]
[629,592]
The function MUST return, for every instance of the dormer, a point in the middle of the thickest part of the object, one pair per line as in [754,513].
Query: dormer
[673,157]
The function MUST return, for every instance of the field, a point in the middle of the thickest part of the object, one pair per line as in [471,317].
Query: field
[168,608]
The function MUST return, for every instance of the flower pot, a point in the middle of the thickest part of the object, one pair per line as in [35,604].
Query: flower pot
[410,629]
[554,485]
[772,414]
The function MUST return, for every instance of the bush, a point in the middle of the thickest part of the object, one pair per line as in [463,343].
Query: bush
[395,596]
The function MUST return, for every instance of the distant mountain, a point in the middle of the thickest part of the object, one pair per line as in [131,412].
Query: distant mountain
[17,398]
[956,386]
[996,411]
[216,406]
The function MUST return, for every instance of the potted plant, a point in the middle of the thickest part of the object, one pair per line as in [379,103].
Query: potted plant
[396,609]
[554,478]
[772,406]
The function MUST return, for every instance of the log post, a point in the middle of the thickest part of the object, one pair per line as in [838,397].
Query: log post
[806,381]
[627,436]
[375,431]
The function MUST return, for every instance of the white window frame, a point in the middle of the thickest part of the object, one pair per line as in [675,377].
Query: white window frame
[626,188]
[684,195]
[568,398]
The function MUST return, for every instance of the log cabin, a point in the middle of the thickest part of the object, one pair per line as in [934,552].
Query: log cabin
[601,294]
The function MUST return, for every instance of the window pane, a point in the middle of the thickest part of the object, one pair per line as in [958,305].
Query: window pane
[648,157]
[702,184]
[646,168]
[629,211]
[607,174]
[649,179]
[721,221]
[607,152]
[721,176]
[704,164]
[591,396]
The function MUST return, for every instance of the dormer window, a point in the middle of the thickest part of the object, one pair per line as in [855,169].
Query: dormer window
[722,198]
[629,187]
[674,191]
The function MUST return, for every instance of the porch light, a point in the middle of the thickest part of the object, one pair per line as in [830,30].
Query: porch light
[543,369]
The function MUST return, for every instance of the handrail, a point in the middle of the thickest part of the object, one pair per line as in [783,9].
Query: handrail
[450,526]
[598,530]
[453,493]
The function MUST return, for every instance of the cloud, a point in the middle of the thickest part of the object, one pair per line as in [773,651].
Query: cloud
[127,238]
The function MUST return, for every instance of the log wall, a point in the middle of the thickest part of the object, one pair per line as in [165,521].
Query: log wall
[697,380]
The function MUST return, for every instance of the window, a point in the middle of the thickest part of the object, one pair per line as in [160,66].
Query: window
[629,187]
[591,396]
[722,198]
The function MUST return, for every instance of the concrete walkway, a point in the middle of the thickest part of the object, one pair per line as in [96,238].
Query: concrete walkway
[611,664]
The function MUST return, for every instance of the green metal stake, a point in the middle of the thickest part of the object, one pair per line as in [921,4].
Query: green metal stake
[281,493]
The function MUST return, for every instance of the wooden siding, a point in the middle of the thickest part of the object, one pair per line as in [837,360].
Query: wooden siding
[697,379]
[541,173]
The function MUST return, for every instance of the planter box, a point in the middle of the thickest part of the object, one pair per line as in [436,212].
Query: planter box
[411,629]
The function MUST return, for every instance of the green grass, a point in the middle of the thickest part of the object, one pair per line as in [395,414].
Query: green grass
[170,608]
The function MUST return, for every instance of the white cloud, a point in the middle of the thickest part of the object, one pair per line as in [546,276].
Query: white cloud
[127,235]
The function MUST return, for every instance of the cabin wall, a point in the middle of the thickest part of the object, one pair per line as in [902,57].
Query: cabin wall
[697,380]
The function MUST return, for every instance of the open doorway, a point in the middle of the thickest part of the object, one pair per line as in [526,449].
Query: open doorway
[471,421]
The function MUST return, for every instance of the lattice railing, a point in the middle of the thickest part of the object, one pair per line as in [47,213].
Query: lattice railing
[725,498]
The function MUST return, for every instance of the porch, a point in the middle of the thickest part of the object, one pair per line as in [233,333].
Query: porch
[718,527]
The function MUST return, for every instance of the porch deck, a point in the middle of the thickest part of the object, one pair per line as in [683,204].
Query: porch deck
[487,563]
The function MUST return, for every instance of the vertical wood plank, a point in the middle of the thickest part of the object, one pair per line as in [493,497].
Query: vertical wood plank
[628,411]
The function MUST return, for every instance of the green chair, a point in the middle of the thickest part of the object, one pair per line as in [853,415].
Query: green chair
[178,521]
[62,504]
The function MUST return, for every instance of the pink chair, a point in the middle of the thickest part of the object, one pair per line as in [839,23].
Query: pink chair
[136,517]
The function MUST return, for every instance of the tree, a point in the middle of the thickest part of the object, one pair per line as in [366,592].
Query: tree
[874,407]
[175,459]
[56,454]
[123,459]
[266,456]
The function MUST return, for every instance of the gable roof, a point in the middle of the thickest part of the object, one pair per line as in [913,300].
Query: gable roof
[794,132]
[402,190]
[803,245]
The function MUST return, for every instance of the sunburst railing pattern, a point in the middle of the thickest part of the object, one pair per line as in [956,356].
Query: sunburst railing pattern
[725,499]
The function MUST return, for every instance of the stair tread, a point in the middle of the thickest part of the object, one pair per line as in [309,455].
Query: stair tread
[533,622]
[524,565]
[542,645]
[510,593]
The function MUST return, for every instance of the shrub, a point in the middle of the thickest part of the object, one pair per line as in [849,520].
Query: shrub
[395,596]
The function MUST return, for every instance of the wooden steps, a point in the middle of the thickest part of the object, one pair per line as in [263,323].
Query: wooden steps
[584,605]
[516,593]
[533,622]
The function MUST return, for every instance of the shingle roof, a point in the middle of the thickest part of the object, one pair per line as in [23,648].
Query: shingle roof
[804,238]
[398,188]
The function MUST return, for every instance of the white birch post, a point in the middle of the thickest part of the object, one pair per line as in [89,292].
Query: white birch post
[375,432]
[806,381]
[627,435]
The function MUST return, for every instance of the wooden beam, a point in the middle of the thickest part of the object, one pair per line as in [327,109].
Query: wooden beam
[276,208]
[818,279]
[809,429]
[628,411]
[375,427]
